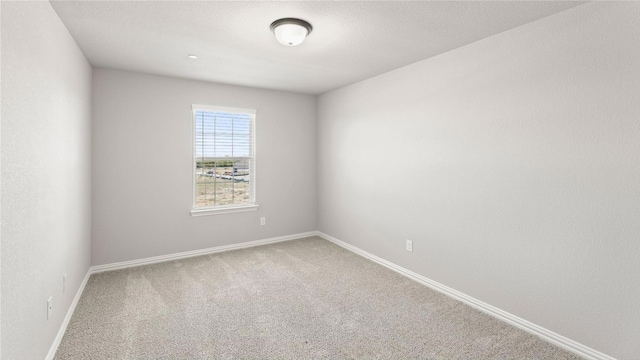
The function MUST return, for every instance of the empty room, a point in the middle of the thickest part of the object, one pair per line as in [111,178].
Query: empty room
[320,180]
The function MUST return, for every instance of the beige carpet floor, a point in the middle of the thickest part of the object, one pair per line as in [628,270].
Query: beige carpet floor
[300,299]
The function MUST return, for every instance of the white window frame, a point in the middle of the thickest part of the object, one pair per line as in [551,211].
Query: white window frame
[224,209]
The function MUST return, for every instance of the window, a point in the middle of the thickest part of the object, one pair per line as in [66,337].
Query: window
[223,160]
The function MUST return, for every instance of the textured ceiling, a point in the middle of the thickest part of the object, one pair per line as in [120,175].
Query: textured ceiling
[351,40]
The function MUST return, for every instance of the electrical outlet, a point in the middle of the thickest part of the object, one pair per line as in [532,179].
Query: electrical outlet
[409,245]
[64,283]
[263,221]
[49,307]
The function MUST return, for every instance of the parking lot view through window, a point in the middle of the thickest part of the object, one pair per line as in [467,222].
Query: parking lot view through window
[224,157]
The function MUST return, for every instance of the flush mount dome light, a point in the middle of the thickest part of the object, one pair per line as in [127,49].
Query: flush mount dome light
[290,31]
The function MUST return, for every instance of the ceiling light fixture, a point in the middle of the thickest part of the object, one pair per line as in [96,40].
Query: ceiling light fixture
[192,56]
[290,31]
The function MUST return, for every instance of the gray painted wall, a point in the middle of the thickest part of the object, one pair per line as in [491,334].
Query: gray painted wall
[142,164]
[46,175]
[514,166]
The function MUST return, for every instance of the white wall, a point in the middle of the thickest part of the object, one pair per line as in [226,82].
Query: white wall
[512,163]
[46,175]
[142,164]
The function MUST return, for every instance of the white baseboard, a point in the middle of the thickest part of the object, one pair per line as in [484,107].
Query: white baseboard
[67,318]
[188,254]
[548,335]
[525,325]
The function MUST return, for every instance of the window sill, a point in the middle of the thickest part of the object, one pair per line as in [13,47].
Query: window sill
[224,210]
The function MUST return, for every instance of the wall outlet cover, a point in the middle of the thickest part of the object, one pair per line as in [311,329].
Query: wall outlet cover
[49,307]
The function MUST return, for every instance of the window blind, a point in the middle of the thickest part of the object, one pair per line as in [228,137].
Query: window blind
[224,156]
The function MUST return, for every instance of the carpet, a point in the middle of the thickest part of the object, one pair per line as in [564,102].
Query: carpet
[299,299]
